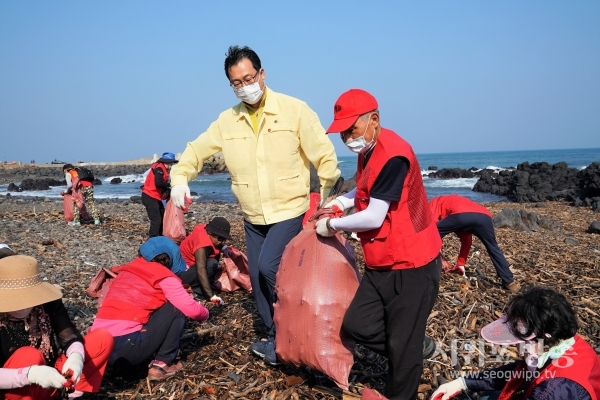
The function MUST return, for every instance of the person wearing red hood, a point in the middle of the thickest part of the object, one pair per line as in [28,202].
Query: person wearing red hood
[465,218]
[399,239]
[156,189]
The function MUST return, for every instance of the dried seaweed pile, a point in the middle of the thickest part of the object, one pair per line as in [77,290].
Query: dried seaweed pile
[218,364]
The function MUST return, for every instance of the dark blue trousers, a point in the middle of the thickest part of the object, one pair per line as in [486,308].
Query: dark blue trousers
[481,226]
[265,245]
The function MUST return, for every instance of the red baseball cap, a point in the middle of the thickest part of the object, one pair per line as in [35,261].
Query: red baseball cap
[348,107]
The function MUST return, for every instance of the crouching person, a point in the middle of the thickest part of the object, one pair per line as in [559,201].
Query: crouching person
[201,251]
[39,345]
[145,310]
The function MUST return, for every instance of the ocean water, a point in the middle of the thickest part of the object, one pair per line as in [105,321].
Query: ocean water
[217,187]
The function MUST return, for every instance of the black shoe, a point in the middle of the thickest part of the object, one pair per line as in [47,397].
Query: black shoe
[270,355]
[428,347]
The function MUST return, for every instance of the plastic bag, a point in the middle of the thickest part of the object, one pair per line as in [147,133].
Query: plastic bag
[68,207]
[100,283]
[174,223]
[316,282]
[235,274]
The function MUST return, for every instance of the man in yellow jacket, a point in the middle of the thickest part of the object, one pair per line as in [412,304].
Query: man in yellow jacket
[268,141]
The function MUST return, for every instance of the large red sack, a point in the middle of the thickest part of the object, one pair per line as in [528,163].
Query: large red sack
[235,274]
[316,282]
[174,223]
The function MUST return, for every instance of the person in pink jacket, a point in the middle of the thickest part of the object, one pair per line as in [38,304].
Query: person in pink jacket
[145,310]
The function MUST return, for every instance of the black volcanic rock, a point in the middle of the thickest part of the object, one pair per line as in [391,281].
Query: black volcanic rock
[452,173]
[116,180]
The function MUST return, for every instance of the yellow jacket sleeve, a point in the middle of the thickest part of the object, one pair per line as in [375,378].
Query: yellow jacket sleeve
[195,154]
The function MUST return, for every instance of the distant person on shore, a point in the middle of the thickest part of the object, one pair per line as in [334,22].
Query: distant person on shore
[558,364]
[85,184]
[156,189]
[145,309]
[268,142]
[400,243]
[201,250]
[38,342]
[465,218]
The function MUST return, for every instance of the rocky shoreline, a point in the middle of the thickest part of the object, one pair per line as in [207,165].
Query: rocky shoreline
[557,251]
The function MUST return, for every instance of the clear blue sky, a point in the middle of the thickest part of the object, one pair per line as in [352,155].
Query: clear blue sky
[117,80]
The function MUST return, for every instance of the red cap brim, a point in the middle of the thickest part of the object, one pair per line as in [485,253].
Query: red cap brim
[341,125]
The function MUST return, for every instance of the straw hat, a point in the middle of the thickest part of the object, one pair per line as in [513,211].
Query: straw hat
[21,285]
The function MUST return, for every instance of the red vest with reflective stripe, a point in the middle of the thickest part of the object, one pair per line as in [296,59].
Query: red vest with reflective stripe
[149,184]
[580,364]
[135,294]
[444,206]
[408,237]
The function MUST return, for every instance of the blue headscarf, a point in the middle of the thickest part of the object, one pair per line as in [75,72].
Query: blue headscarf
[159,245]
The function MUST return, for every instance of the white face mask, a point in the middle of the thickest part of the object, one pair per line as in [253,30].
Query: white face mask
[20,314]
[250,94]
[360,144]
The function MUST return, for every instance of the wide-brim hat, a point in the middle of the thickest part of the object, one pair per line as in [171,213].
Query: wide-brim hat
[21,285]
[167,158]
[349,106]
[498,332]
[219,226]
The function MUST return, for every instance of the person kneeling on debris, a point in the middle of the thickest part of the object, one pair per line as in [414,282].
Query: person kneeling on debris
[557,365]
[41,352]
[201,251]
[145,309]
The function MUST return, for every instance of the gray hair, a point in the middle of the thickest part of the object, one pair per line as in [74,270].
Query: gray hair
[364,117]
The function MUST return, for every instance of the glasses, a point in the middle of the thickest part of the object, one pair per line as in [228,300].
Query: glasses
[248,80]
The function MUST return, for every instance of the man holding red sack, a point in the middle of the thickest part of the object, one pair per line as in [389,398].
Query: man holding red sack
[465,218]
[399,239]
[155,190]
[201,250]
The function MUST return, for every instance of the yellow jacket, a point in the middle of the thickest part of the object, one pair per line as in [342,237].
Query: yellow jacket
[270,170]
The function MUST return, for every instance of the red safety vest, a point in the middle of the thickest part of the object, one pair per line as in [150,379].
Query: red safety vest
[408,237]
[195,240]
[149,184]
[444,206]
[135,294]
[580,364]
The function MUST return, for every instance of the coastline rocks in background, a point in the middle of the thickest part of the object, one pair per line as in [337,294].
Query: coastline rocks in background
[452,173]
[541,181]
[432,168]
[136,199]
[97,182]
[522,220]
[116,180]
[34,184]
[594,227]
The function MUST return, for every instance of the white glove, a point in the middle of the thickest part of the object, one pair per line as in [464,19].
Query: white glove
[74,363]
[322,228]
[335,202]
[179,194]
[217,300]
[45,376]
[449,390]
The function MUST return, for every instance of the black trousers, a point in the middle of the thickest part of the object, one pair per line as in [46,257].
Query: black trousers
[265,245]
[159,336]
[388,315]
[482,226]
[156,212]
[190,276]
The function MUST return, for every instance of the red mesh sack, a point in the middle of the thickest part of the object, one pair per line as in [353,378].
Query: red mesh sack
[234,274]
[173,223]
[316,282]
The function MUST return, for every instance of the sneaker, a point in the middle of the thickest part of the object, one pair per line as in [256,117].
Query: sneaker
[428,347]
[512,287]
[258,349]
[97,222]
[73,223]
[159,370]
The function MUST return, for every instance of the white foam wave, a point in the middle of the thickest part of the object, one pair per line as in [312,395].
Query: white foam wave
[449,183]
[127,178]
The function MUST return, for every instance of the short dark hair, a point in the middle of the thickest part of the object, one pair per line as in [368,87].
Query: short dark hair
[542,311]
[163,259]
[235,54]
[68,166]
